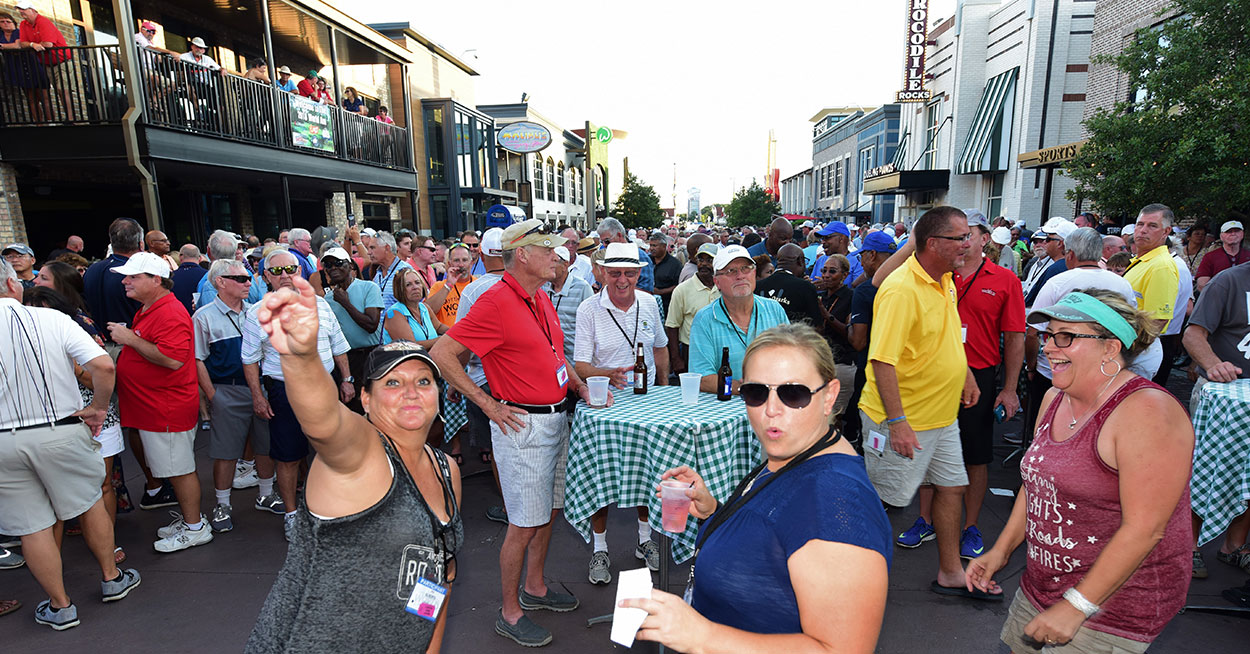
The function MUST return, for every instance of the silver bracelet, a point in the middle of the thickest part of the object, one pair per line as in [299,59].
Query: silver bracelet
[1075,598]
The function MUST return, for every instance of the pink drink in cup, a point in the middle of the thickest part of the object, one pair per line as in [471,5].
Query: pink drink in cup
[675,505]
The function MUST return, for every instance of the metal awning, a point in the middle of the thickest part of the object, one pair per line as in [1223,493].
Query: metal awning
[1052,157]
[900,153]
[907,181]
[989,111]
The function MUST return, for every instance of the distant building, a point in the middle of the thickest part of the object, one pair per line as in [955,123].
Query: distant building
[692,203]
[847,143]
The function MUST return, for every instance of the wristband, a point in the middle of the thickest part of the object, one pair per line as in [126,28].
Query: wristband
[895,421]
[1076,599]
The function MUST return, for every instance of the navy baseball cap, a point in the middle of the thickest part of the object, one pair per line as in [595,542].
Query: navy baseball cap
[878,242]
[834,228]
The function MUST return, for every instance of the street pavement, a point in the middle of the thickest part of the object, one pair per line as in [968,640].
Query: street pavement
[206,599]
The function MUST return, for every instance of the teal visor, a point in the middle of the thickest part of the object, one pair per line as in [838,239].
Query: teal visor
[1079,307]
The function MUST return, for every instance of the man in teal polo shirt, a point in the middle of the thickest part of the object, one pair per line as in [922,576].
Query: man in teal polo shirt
[733,321]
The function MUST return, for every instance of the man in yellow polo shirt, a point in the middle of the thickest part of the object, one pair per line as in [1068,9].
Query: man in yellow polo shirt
[917,378]
[1153,273]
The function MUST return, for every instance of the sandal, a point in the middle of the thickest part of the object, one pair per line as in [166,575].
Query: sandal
[459,457]
[119,556]
[9,606]
[485,457]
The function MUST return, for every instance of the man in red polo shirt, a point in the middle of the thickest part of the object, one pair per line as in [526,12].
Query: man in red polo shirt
[38,33]
[1229,254]
[991,305]
[530,380]
[158,393]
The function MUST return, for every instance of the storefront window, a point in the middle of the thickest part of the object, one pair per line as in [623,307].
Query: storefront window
[538,177]
[551,180]
[866,158]
[560,197]
[464,150]
[435,148]
[931,136]
[581,188]
[837,178]
[483,154]
[994,201]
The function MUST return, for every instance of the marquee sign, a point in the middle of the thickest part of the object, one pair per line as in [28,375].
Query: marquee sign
[523,137]
[913,67]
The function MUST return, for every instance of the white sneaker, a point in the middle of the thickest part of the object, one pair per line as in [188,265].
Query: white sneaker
[184,538]
[245,476]
[173,527]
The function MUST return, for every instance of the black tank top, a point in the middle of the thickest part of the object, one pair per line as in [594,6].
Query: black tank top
[346,580]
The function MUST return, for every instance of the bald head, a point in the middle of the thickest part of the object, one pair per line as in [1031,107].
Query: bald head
[157,242]
[693,243]
[780,231]
[790,257]
[189,254]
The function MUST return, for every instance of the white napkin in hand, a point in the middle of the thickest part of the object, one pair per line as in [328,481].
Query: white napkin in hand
[630,584]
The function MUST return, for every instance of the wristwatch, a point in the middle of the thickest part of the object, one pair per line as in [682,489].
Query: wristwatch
[349,379]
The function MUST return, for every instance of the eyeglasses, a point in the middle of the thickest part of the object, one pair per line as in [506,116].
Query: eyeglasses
[629,272]
[331,262]
[795,396]
[242,279]
[1064,339]
[277,271]
[958,239]
[740,270]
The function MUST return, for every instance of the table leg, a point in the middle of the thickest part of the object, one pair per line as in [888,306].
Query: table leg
[666,553]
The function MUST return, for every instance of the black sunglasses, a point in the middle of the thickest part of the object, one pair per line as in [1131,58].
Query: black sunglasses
[331,262]
[242,279]
[795,396]
[1064,339]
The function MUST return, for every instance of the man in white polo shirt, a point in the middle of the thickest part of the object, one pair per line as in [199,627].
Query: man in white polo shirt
[610,328]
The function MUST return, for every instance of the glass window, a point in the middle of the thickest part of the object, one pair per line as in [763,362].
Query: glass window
[551,180]
[538,178]
[464,150]
[581,188]
[484,154]
[560,182]
[435,148]
[866,158]
[994,201]
[931,136]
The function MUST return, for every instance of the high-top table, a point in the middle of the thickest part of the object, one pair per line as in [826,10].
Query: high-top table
[1220,485]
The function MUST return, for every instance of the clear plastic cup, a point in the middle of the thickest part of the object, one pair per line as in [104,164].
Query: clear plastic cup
[690,387]
[675,505]
[598,390]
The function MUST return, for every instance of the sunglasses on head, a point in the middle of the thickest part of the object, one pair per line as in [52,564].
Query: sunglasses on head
[278,270]
[242,279]
[542,228]
[795,396]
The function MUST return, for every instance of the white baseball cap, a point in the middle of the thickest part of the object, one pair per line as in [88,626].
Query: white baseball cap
[1001,235]
[728,254]
[143,262]
[1058,226]
[563,253]
[492,242]
[1128,229]
[25,4]
[1230,225]
[337,253]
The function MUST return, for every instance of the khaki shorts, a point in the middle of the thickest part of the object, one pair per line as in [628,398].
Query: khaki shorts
[47,474]
[1086,640]
[846,386]
[169,453]
[531,467]
[896,477]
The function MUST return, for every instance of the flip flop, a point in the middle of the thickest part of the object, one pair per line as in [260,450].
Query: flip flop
[119,557]
[9,606]
[960,591]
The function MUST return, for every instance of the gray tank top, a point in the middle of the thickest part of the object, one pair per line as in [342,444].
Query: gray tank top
[347,580]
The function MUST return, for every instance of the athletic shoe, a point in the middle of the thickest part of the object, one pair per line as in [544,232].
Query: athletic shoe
[525,632]
[600,568]
[120,587]
[182,538]
[10,541]
[552,601]
[1200,566]
[1013,439]
[1238,558]
[162,499]
[271,503]
[60,620]
[498,514]
[221,521]
[970,543]
[173,527]
[245,476]
[649,552]
[920,532]
[10,560]
[288,525]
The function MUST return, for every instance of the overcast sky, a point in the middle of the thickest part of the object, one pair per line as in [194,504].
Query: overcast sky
[696,83]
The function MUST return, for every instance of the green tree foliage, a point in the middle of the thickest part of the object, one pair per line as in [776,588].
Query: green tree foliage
[638,205]
[706,212]
[751,206]
[1186,142]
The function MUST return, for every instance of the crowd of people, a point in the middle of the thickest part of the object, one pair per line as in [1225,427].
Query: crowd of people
[873,361]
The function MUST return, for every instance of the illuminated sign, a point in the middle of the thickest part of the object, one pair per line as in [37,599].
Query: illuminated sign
[887,169]
[603,135]
[913,67]
[523,137]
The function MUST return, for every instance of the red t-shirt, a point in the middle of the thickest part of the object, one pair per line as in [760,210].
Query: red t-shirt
[43,30]
[1218,260]
[306,88]
[520,361]
[991,302]
[152,397]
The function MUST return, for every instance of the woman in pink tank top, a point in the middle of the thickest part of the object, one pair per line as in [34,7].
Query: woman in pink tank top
[1104,505]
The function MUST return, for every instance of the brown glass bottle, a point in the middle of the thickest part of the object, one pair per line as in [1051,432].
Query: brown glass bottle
[640,373]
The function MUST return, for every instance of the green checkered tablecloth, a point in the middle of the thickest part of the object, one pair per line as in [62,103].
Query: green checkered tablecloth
[455,414]
[616,455]
[1220,485]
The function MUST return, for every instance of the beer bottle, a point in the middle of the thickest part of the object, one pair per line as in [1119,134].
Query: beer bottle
[724,377]
[640,373]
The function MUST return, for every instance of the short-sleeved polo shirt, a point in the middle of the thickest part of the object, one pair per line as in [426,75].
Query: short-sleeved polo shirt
[916,329]
[519,340]
[1218,260]
[1155,282]
[258,349]
[567,300]
[991,303]
[607,337]
[713,330]
[219,341]
[152,397]
[43,31]
[688,298]
[363,295]
[471,293]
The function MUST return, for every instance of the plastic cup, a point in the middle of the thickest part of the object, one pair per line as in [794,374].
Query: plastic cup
[675,505]
[598,390]
[690,387]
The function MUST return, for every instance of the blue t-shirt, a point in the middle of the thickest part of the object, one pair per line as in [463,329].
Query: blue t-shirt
[105,296]
[741,577]
[857,268]
[423,331]
[861,314]
[363,295]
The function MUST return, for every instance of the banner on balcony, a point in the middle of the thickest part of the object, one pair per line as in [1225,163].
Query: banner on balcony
[310,124]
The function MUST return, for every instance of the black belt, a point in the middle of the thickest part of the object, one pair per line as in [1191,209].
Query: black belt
[229,382]
[67,420]
[537,408]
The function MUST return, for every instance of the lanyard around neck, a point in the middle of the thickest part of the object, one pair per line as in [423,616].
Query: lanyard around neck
[755,315]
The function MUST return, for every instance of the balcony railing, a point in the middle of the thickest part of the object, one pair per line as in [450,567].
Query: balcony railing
[87,85]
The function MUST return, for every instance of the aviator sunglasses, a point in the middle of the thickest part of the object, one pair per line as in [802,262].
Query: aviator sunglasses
[795,396]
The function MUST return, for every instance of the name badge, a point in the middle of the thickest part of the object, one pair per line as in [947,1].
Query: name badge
[875,442]
[426,600]
[963,333]
[562,375]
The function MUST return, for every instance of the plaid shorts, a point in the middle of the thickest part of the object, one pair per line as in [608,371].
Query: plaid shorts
[531,465]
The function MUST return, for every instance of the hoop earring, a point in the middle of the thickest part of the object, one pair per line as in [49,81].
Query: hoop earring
[1102,367]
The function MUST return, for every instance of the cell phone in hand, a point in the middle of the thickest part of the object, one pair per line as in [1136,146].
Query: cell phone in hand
[1000,413]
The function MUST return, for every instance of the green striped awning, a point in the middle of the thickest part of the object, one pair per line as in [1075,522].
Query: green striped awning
[983,123]
[900,153]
